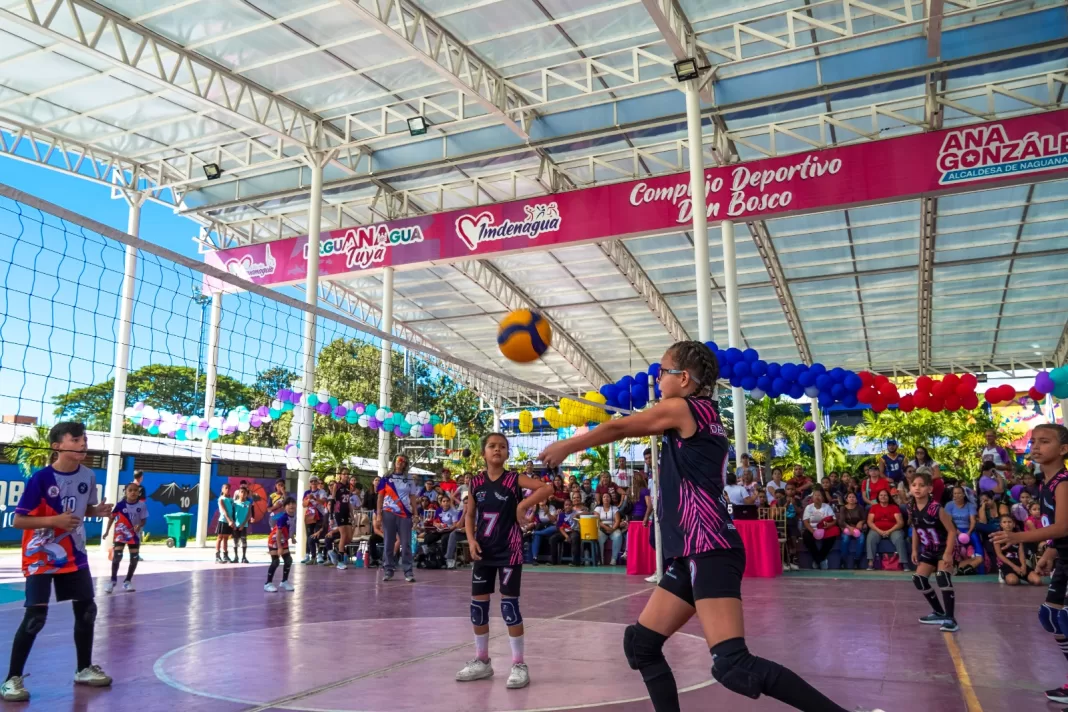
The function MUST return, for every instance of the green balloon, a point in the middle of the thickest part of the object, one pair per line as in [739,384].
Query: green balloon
[313,400]
[334,402]
[1059,374]
[274,413]
[287,406]
[371,409]
[153,430]
[213,434]
[1060,390]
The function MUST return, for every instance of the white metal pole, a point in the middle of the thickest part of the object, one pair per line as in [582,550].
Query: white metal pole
[311,296]
[654,492]
[700,215]
[122,356]
[817,438]
[385,372]
[734,332]
[211,378]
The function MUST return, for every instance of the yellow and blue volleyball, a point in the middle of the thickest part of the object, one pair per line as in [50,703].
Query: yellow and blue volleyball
[523,336]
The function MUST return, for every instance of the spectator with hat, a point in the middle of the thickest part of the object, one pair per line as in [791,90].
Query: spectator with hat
[892,463]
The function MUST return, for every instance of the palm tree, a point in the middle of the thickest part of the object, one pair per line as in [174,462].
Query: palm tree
[768,420]
[332,452]
[31,452]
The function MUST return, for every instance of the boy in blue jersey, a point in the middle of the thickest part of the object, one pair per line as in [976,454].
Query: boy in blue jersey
[50,513]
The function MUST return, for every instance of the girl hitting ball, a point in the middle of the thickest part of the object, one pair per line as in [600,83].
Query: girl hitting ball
[495,507]
[699,540]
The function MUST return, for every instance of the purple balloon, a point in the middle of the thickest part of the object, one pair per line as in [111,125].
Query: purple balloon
[359,408]
[254,420]
[428,430]
[339,411]
[810,426]
[398,432]
[1044,383]
[323,408]
[372,424]
[284,394]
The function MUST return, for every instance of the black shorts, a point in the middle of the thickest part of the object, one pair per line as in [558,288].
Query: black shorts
[713,574]
[932,556]
[1005,570]
[484,579]
[224,529]
[75,586]
[343,518]
[240,532]
[1058,583]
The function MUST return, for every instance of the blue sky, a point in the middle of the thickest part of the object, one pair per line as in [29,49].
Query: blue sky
[59,298]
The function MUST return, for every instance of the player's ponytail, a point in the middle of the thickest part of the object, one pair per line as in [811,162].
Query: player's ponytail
[699,361]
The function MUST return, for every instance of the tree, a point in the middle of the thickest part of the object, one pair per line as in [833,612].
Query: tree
[769,420]
[268,382]
[595,461]
[331,452]
[30,452]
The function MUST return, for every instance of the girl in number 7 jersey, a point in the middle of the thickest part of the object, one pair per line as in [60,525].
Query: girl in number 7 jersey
[699,540]
[495,507]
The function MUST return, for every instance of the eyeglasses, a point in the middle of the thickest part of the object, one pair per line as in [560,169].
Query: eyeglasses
[671,371]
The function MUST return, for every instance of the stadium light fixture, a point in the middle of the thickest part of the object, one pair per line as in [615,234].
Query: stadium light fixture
[687,69]
[417,125]
[212,171]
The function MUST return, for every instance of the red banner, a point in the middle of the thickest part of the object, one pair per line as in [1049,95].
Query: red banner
[1024,149]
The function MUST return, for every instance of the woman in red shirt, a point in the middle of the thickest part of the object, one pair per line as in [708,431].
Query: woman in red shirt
[876,483]
[885,522]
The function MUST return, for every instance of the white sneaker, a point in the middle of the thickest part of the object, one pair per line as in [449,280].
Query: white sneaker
[270,587]
[519,677]
[651,579]
[794,567]
[286,586]
[13,690]
[341,567]
[93,676]
[109,587]
[475,670]
[128,586]
[450,564]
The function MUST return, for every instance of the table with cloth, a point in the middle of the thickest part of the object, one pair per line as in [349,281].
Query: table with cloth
[760,537]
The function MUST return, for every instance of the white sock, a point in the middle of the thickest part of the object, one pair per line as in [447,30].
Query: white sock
[482,647]
[517,648]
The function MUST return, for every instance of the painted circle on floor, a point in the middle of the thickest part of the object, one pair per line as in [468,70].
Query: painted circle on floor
[402,664]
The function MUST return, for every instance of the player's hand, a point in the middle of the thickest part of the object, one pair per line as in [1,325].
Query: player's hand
[915,559]
[378,528]
[476,550]
[68,521]
[1044,566]
[554,454]
[1004,538]
[523,513]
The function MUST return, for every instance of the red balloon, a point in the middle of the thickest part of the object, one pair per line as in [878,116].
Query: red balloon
[940,389]
[866,378]
[921,398]
[924,383]
[963,389]
[880,380]
[1035,394]
[935,404]
[951,380]
[992,396]
[1008,392]
[878,405]
[970,379]
[892,398]
[867,394]
[970,401]
[952,402]
[887,388]
[906,404]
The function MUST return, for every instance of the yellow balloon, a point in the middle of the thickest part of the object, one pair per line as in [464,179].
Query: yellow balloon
[438,428]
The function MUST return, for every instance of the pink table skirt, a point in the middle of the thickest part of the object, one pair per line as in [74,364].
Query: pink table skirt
[761,539]
[641,558]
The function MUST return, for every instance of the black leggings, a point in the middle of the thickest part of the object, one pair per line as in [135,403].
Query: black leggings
[311,531]
[818,549]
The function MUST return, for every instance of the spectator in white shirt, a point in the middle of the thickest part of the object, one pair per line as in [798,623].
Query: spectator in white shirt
[746,467]
[775,484]
[736,493]
[621,476]
[819,516]
[609,526]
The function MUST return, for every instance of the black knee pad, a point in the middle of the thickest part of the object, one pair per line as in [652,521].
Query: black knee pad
[287,558]
[644,650]
[117,555]
[34,619]
[84,612]
[944,579]
[740,671]
[921,583]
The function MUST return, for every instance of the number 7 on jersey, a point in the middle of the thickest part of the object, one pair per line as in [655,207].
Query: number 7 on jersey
[491,518]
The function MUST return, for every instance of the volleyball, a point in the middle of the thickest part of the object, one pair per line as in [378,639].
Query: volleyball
[523,336]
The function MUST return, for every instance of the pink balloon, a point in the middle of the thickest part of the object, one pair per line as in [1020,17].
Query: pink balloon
[963,538]
[817,534]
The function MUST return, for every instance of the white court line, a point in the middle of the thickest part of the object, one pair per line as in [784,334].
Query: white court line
[284,702]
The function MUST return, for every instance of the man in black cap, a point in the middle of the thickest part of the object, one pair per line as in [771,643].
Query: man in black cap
[892,463]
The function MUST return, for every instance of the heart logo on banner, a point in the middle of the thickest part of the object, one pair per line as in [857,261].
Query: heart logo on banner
[468,228]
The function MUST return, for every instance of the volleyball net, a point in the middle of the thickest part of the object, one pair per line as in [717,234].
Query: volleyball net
[61,306]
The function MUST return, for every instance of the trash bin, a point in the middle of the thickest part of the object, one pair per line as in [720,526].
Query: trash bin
[178,529]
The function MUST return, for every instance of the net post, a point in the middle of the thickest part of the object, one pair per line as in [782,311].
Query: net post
[817,438]
[385,371]
[699,211]
[734,332]
[654,490]
[311,297]
[211,379]
[122,354]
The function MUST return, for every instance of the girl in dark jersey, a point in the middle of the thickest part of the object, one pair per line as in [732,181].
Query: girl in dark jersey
[1049,448]
[933,537]
[699,539]
[495,507]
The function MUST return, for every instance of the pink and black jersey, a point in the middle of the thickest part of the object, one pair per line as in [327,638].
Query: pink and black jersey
[48,493]
[128,517]
[691,509]
[1047,493]
[496,528]
[927,523]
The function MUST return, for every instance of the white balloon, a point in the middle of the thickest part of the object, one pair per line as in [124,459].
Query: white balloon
[323,396]
[243,426]
[812,391]
[757,394]
[424,417]
[380,414]
[348,405]
[364,419]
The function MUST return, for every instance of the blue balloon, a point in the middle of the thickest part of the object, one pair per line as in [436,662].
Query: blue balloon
[837,374]
[625,382]
[713,347]
[639,400]
[764,383]
[850,400]
[806,379]
[623,398]
[734,355]
[778,385]
[736,381]
[654,370]
[824,382]
[607,390]
[796,390]
[852,382]
[817,368]
[656,390]
[825,400]
[789,372]
[773,394]
[838,391]
[749,383]
[721,359]
[773,370]
[642,379]
[751,355]
[758,368]
[740,369]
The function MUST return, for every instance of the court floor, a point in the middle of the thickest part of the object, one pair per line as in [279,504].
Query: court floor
[198,637]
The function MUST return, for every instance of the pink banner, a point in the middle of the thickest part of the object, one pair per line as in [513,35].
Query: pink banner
[1024,149]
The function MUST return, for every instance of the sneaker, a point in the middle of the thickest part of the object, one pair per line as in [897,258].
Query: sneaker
[1058,695]
[13,690]
[450,564]
[270,587]
[306,560]
[93,676]
[650,579]
[519,677]
[824,565]
[475,670]
[128,586]
[934,619]
[244,560]
[949,626]
[410,578]
[794,567]
[387,577]
[109,587]
[286,586]
[218,558]
[341,567]
[865,709]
